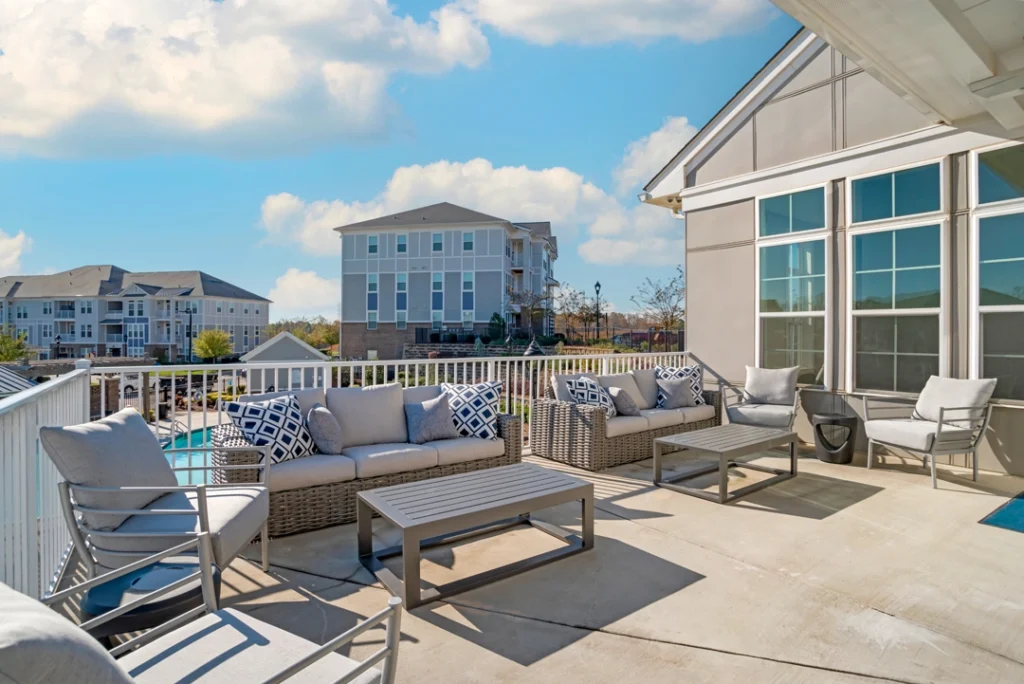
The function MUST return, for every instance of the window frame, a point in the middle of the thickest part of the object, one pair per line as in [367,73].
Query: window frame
[401,279]
[371,320]
[472,242]
[372,279]
[943,163]
[373,246]
[432,291]
[819,234]
[399,244]
[433,243]
[868,227]
[401,319]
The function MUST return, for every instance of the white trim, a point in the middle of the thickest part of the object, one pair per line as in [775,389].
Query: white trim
[943,192]
[782,236]
[277,338]
[369,254]
[974,184]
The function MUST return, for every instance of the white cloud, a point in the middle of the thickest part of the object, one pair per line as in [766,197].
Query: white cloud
[604,21]
[80,75]
[304,293]
[646,156]
[11,249]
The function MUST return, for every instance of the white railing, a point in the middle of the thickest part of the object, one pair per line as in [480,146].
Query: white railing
[114,338]
[34,540]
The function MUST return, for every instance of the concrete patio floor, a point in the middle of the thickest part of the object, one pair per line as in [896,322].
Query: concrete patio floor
[840,575]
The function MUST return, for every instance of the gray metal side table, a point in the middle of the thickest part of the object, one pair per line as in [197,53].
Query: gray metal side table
[826,447]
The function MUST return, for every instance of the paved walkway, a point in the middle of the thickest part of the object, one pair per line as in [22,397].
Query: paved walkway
[841,575]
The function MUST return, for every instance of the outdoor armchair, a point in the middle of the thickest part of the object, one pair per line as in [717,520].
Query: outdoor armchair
[769,398]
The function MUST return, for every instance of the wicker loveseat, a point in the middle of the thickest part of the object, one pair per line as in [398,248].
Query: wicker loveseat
[581,435]
[319,491]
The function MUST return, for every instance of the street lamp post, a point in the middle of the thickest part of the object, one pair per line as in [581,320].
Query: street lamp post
[56,351]
[597,307]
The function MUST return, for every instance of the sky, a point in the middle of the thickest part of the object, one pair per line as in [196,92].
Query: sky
[232,136]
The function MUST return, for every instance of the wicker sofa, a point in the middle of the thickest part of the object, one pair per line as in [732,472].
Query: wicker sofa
[319,491]
[581,435]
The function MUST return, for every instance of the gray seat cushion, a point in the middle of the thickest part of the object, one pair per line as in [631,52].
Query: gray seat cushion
[369,415]
[117,451]
[310,471]
[911,434]
[236,516]
[625,425]
[663,418]
[941,393]
[306,399]
[430,420]
[762,415]
[39,646]
[231,646]
[561,389]
[647,382]
[374,460]
[771,385]
[463,449]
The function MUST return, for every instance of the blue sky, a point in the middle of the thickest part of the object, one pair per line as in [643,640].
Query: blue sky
[234,141]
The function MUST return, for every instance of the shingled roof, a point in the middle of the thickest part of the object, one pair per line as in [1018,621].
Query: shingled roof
[441,214]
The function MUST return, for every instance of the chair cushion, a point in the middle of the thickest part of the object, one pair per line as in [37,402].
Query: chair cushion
[374,460]
[558,384]
[307,398]
[117,451]
[770,385]
[762,415]
[911,434]
[624,381]
[430,420]
[324,429]
[475,408]
[38,646]
[236,516]
[647,383]
[625,404]
[369,415]
[588,392]
[952,393]
[417,395]
[691,414]
[318,469]
[674,393]
[277,424]
[695,374]
[464,449]
[625,425]
[231,646]
[663,418]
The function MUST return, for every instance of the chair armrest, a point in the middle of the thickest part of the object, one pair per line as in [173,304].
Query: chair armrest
[975,417]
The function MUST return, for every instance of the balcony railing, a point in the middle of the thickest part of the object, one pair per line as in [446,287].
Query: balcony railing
[64,314]
[114,339]
[114,313]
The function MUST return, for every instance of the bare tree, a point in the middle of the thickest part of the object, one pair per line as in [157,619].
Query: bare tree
[530,305]
[570,304]
[663,301]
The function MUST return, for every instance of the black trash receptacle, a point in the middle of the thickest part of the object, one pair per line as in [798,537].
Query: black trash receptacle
[827,445]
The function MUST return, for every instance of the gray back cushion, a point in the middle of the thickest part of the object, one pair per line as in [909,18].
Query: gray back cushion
[307,398]
[647,382]
[561,389]
[39,646]
[117,451]
[418,395]
[325,430]
[430,420]
[624,381]
[952,393]
[369,415]
[676,393]
[771,385]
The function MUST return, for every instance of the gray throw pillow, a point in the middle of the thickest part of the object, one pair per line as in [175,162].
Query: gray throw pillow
[430,420]
[624,403]
[675,393]
[771,385]
[324,428]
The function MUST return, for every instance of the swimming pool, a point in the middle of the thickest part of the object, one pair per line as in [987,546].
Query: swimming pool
[191,458]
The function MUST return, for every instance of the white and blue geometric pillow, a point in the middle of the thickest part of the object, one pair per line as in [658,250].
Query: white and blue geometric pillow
[475,408]
[695,374]
[586,391]
[276,424]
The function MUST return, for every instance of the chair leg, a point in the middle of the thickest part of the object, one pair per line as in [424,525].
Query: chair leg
[935,481]
[265,548]
[871,452]
[974,465]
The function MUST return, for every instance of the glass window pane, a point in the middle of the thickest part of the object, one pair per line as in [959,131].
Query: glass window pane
[918,190]
[918,288]
[808,210]
[775,261]
[872,198]
[875,333]
[401,301]
[467,300]
[371,301]
[1001,174]
[1002,237]
[437,301]
[872,290]
[808,258]
[800,342]
[1002,283]
[912,372]
[917,335]
[1003,352]
[874,371]
[872,251]
[775,295]
[808,294]
[918,247]
[775,215]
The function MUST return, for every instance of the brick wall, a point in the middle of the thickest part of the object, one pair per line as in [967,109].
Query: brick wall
[386,339]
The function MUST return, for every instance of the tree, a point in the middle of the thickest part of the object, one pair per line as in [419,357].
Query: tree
[530,304]
[212,345]
[570,304]
[12,348]
[318,332]
[663,301]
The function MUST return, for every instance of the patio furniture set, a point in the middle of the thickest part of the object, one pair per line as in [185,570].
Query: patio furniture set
[437,462]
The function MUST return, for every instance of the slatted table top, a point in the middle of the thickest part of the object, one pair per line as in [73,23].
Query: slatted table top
[430,501]
[727,439]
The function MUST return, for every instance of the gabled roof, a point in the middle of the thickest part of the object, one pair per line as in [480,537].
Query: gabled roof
[542,230]
[12,383]
[441,214]
[281,336]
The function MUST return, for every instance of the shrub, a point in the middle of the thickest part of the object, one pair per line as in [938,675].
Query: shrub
[435,338]
[453,338]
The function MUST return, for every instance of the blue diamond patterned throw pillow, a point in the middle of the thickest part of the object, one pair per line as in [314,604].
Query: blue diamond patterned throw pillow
[695,374]
[276,424]
[475,408]
[586,391]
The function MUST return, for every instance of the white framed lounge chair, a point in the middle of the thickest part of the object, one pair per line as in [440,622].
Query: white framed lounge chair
[769,398]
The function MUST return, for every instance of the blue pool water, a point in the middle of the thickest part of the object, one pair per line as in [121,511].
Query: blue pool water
[1009,516]
[191,458]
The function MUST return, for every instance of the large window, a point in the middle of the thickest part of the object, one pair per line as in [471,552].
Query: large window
[371,292]
[907,192]
[437,292]
[792,213]
[437,242]
[467,291]
[401,245]
[401,292]
[371,245]
[467,241]
[1000,300]
[896,307]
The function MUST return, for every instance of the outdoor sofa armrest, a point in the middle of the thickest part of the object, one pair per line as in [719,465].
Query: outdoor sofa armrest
[510,429]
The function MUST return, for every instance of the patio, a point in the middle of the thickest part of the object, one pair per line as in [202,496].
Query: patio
[840,575]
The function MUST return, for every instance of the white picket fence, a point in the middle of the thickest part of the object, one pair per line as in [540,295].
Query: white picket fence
[34,541]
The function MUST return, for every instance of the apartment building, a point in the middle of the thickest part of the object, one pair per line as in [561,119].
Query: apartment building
[438,268]
[108,311]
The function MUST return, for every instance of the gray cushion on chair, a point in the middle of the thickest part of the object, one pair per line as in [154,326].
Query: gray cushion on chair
[307,398]
[430,420]
[647,382]
[325,430]
[369,415]
[952,393]
[761,415]
[117,451]
[39,646]
[911,434]
[771,385]
[231,646]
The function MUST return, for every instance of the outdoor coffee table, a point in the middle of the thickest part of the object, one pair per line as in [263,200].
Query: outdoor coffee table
[449,509]
[726,443]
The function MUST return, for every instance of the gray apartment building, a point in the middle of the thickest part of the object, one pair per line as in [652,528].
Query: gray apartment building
[108,311]
[438,268]
[832,225]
